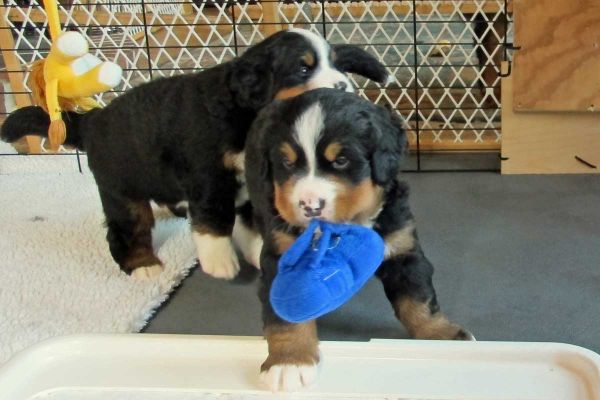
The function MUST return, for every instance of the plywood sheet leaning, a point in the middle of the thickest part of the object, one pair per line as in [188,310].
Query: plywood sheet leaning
[558,66]
[548,142]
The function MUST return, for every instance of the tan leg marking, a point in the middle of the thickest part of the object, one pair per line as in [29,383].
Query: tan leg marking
[400,242]
[234,161]
[292,344]
[141,259]
[421,324]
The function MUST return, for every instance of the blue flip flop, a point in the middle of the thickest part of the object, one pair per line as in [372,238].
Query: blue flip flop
[316,276]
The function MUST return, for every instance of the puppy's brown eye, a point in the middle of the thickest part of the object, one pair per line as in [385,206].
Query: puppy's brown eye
[287,163]
[340,162]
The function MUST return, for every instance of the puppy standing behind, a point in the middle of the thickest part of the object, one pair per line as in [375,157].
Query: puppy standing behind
[181,139]
[332,155]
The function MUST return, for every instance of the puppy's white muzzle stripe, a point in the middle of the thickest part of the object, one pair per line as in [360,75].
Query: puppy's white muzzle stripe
[314,196]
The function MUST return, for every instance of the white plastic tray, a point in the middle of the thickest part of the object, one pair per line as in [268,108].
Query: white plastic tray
[170,367]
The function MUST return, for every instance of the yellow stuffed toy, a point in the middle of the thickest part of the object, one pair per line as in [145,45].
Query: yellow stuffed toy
[68,77]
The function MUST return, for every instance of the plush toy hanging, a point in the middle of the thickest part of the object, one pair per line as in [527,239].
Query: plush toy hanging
[68,77]
[317,275]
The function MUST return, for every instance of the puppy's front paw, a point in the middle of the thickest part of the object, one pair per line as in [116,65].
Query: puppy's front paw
[217,256]
[147,273]
[289,377]
[423,324]
[442,329]
[464,334]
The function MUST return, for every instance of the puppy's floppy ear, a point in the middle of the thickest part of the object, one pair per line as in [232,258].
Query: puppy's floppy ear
[351,58]
[389,138]
[252,80]
[259,177]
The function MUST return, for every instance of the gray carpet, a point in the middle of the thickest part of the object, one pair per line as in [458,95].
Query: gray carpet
[517,258]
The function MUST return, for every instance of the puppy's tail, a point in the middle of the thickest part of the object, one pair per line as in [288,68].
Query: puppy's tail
[33,120]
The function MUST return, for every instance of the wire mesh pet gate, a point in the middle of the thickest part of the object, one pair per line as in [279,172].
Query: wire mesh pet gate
[445,55]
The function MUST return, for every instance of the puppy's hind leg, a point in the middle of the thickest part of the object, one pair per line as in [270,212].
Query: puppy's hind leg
[407,280]
[212,213]
[246,236]
[129,234]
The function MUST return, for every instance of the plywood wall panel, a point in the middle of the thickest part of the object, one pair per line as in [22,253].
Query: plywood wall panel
[558,66]
[548,142]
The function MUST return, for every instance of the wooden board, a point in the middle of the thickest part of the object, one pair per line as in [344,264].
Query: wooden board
[271,20]
[103,18]
[380,8]
[16,78]
[558,66]
[547,143]
[255,11]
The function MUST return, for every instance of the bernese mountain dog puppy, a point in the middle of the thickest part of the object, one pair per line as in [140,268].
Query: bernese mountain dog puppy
[180,140]
[332,155]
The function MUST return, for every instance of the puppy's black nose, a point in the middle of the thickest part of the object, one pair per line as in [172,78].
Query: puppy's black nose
[311,209]
[340,85]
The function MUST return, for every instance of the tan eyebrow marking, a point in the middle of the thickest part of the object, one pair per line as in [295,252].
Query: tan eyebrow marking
[287,150]
[308,58]
[332,151]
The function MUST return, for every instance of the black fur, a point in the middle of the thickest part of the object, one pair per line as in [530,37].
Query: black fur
[374,140]
[166,140]
[26,120]
[33,120]
[354,59]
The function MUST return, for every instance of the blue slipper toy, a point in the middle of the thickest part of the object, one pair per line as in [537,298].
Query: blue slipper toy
[317,276]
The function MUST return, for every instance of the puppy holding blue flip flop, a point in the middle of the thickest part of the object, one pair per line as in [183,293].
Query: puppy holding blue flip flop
[322,174]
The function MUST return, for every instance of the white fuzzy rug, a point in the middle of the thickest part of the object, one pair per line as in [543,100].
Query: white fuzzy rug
[56,273]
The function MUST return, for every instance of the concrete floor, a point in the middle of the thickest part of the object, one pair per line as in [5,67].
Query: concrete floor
[517,258]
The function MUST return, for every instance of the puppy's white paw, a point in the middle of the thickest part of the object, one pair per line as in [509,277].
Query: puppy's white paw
[289,377]
[147,273]
[216,255]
